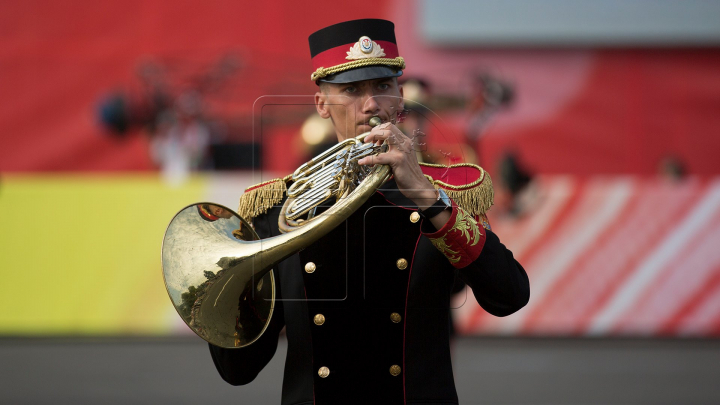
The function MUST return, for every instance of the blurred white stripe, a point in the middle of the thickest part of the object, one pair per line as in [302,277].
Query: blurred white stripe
[601,203]
[676,241]
[692,269]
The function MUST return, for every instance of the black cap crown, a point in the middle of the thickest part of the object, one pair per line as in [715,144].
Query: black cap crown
[355,50]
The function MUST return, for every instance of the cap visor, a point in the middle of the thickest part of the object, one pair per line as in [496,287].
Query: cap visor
[360,74]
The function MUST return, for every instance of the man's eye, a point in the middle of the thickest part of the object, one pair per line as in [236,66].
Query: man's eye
[350,90]
[383,86]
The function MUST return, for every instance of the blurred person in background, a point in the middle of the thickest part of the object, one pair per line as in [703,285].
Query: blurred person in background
[672,168]
[181,140]
[516,185]
[489,95]
[366,306]
[413,120]
[172,111]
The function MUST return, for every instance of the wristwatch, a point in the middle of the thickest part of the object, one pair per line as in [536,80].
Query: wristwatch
[443,202]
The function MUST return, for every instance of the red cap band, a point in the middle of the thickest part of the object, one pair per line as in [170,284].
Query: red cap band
[336,56]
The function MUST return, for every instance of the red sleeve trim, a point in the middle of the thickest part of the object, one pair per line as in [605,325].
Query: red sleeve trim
[461,240]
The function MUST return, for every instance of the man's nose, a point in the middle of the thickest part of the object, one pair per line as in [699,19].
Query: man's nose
[370,105]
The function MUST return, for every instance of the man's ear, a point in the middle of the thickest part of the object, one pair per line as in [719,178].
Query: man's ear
[321,104]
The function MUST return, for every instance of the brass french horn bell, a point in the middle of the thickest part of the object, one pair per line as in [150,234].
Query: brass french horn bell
[218,273]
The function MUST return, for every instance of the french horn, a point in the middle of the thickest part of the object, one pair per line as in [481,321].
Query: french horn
[218,273]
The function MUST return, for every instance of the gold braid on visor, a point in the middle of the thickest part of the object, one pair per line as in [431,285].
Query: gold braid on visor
[397,63]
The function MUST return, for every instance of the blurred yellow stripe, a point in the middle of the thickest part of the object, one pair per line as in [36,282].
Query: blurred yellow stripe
[80,254]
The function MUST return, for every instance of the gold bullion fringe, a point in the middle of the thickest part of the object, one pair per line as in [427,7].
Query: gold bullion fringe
[475,200]
[261,198]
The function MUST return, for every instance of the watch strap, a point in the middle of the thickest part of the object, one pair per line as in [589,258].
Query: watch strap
[443,202]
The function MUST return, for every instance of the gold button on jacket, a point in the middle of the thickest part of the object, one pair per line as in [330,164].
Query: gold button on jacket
[395,317]
[310,267]
[324,372]
[319,319]
[414,217]
[401,264]
[395,370]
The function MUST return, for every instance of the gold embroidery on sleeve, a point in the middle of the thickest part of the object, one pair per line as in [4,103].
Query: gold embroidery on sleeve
[467,226]
[442,246]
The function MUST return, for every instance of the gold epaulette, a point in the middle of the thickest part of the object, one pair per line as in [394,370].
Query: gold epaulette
[467,184]
[258,199]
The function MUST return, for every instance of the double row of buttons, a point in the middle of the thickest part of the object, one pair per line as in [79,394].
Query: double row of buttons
[395,317]
[323,372]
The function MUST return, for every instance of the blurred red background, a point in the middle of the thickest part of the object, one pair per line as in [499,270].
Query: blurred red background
[579,111]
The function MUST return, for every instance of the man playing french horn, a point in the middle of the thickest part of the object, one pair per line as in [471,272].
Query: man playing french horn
[366,306]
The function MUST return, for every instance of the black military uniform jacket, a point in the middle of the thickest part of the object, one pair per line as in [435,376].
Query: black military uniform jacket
[366,310]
